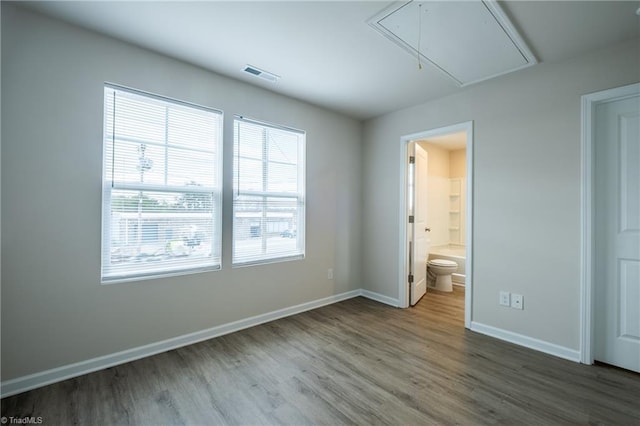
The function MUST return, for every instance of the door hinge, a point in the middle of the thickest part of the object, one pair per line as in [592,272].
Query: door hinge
[412,159]
[410,279]
[411,219]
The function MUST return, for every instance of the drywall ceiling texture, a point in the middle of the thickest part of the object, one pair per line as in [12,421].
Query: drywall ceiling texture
[54,309]
[526,198]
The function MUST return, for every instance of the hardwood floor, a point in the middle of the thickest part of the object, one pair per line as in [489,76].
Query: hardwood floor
[354,362]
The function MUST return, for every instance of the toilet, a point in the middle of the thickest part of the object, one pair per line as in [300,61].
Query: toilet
[441,270]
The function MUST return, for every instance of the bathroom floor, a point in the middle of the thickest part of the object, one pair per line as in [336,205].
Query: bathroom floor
[448,307]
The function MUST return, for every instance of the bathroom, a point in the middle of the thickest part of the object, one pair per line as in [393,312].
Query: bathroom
[446,202]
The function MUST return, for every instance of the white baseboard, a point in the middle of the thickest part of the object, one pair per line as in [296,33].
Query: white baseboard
[528,342]
[380,298]
[36,380]
[32,381]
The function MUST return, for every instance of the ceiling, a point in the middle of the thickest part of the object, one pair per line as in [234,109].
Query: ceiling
[325,52]
[489,46]
[450,142]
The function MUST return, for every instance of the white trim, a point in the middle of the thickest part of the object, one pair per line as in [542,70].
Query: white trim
[47,377]
[403,294]
[588,105]
[515,37]
[586,272]
[468,294]
[527,342]
[43,378]
[380,298]
[403,254]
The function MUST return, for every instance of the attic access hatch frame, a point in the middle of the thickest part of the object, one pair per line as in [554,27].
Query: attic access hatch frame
[451,36]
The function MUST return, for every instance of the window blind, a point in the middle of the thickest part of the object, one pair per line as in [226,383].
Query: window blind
[161,186]
[269,193]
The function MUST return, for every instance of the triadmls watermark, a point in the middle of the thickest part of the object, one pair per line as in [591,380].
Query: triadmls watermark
[27,420]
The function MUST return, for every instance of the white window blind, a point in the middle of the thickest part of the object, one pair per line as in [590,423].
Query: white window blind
[269,193]
[161,210]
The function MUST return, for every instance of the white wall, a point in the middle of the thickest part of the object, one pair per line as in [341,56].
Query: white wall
[458,163]
[526,188]
[54,310]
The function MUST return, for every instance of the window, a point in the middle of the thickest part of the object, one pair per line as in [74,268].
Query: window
[161,209]
[268,199]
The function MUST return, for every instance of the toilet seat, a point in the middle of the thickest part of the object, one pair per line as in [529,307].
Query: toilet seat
[442,262]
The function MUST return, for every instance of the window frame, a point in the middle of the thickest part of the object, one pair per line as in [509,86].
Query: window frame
[109,274]
[300,195]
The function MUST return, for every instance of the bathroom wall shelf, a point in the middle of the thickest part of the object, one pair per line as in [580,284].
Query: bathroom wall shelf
[455,190]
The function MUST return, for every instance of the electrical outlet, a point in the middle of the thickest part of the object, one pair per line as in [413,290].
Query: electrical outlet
[330,274]
[517,301]
[505,298]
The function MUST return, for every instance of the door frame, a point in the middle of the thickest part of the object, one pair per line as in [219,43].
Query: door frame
[589,103]
[403,294]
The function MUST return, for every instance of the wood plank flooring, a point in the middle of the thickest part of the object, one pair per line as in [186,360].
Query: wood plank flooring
[354,362]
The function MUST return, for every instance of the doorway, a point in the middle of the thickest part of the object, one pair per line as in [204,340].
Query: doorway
[409,262]
[610,284]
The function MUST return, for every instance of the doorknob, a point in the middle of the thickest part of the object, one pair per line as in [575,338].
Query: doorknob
[427,229]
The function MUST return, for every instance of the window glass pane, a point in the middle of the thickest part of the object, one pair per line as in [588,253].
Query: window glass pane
[283,214]
[265,228]
[249,173]
[187,167]
[268,222]
[247,218]
[252,136]
[283,146]
[283,177]
[176,229]
[136,118]
[162,200]
[191,128]
[137,162]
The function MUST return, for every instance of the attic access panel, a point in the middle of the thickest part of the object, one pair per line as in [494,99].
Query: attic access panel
[470,41]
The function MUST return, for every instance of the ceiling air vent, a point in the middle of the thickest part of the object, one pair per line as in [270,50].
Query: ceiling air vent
[265,75]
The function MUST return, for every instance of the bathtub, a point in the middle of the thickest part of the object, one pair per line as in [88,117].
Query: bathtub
[451,252]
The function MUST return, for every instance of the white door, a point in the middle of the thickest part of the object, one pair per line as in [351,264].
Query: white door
[617,232]
[419,237]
